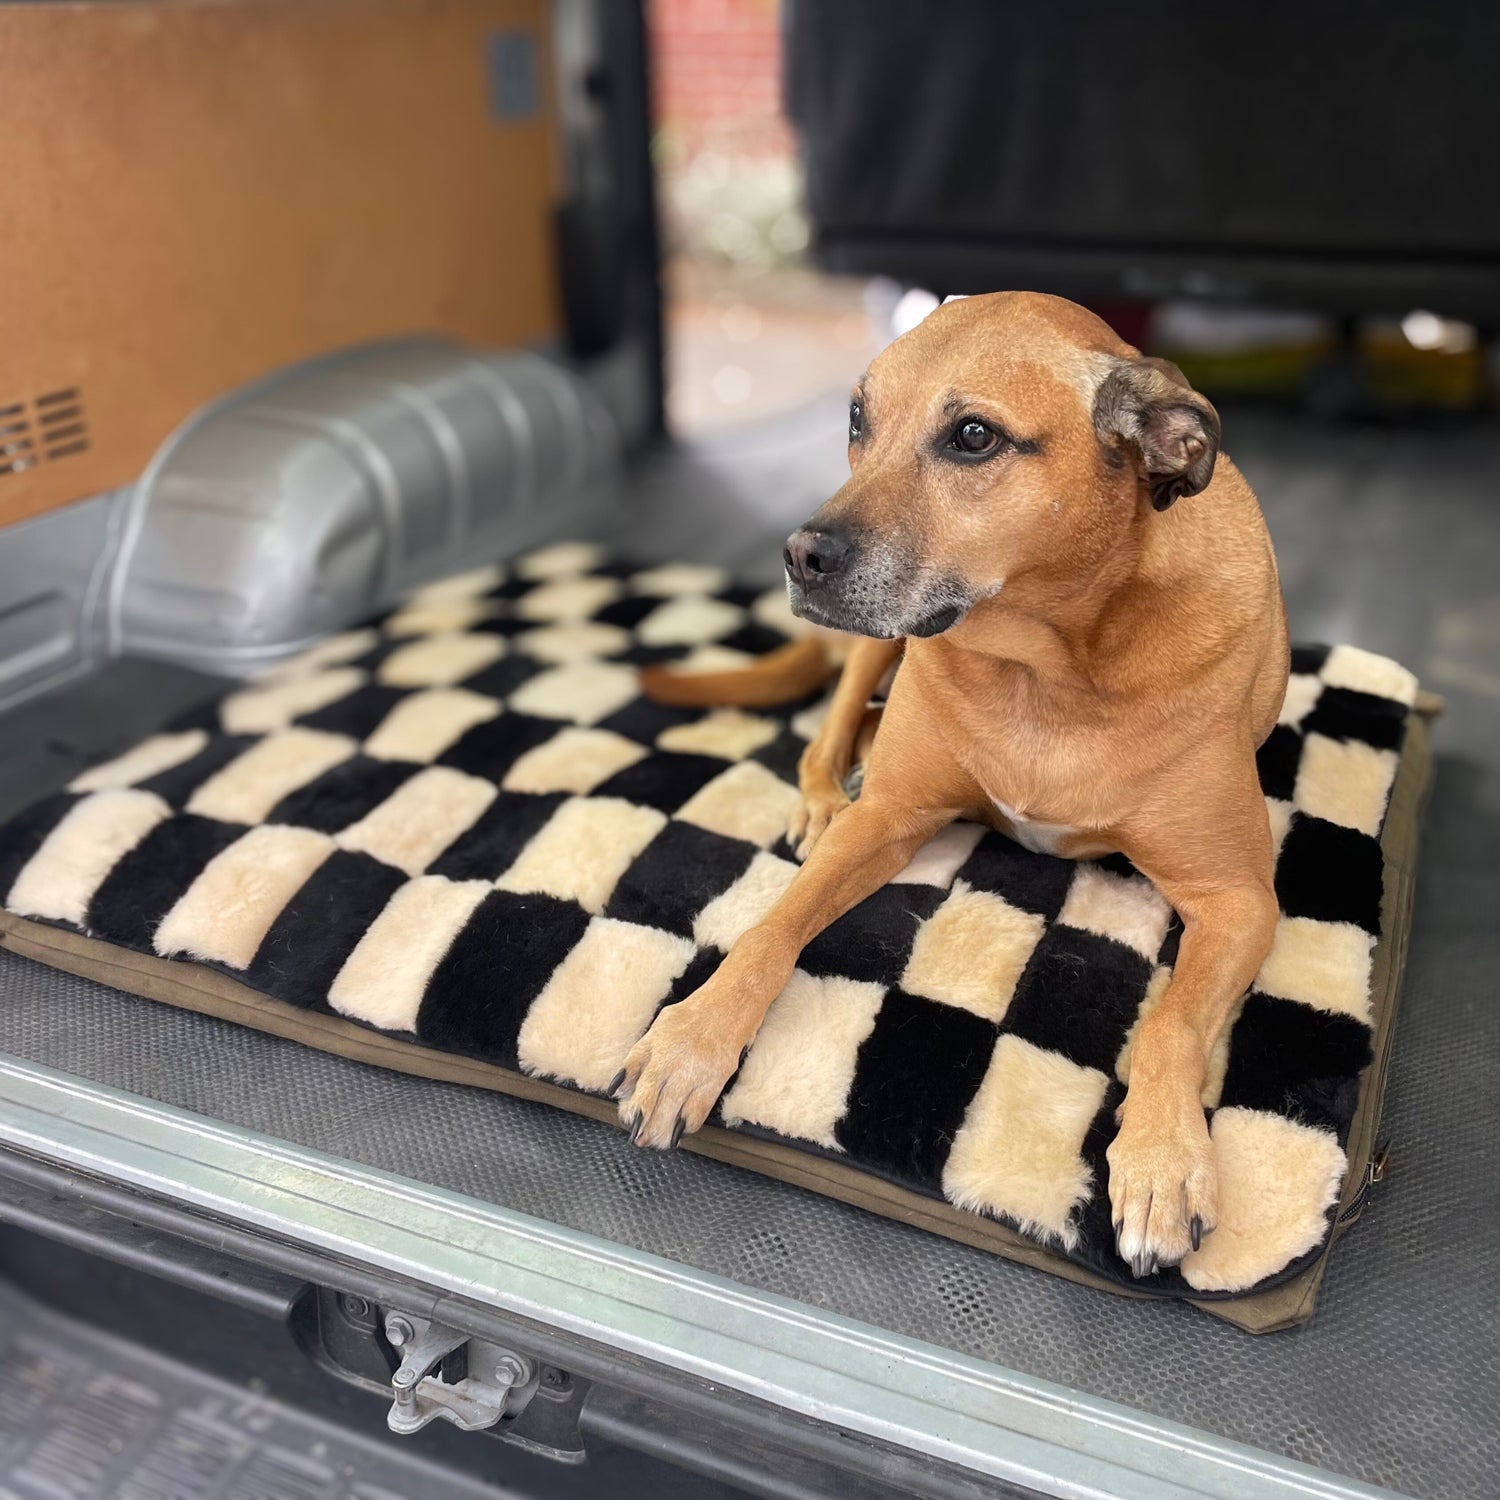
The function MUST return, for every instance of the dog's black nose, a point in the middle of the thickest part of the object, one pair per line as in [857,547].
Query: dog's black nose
[811,555]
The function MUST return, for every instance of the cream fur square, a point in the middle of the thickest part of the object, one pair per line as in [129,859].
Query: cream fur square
[1364,672]
[567,599]
[572,640]
[273,705]
[942,857]
[60,879]
[745,802]
[224,915]
[1345,782]
[678,578]
[797,1076]
[440,660]
[1302,692]
[599,1002]
[1128,909]
[559,560]
[253,783]
[728,917]
[1279,815]
[726,732]
[160,753]
[1019,1151]
[573,760]
[440,615]
[420,818]
[1322,964]
[383,980]
[1277,1181]
[584,849]
[689,620]
[580,692]
[712,659]
[421,726]
[971,952]
[808,721]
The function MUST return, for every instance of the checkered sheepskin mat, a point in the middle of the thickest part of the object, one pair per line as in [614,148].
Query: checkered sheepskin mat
[463,824]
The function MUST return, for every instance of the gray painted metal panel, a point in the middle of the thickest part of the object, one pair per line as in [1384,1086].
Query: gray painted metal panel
[309,500]
[304,502]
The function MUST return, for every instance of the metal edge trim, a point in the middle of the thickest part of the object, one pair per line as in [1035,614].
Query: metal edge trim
[830,1369]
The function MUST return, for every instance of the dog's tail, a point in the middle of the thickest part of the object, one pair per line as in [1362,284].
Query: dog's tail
[782,676]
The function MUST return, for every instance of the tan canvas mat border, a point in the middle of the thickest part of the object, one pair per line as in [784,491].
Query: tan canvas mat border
[194,987]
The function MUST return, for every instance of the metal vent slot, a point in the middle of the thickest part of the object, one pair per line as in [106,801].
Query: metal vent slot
[17,451]
[56,427]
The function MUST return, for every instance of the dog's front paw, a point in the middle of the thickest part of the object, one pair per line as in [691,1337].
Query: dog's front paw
[817,809]
[1162,1184]
[675,1074]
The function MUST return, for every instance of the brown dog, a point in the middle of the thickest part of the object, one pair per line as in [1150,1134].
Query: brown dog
[1088,667]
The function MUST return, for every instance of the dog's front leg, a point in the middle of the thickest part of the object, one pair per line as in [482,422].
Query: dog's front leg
[825,763]
[677,1071]
[1162,1180]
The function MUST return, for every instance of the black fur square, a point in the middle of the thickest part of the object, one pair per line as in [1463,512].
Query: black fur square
[1344,714]
[647,656]
[176,785]
[27,831]
[488,849]
[1289,1059]
[357,715]
[1330,873]
[641,720]
[676,875]
[873,941]
[1031,882]
[147,882]
[758,640]
[479,994]
[897,1123]
[343,794]
[782,755]
[703,966]
[1093,1219]
[663,780]
[318,929]
[1079,995]
[627,612]
[492,748]
[502,677]
[1277,760]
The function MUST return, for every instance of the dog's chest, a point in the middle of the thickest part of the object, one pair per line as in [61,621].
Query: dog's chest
[1040,838]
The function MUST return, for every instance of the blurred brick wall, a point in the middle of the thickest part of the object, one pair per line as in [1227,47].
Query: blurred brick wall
[717,76]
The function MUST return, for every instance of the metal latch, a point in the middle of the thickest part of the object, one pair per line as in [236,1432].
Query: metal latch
[446,1373]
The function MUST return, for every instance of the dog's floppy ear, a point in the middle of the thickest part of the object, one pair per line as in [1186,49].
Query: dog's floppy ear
[1149,404]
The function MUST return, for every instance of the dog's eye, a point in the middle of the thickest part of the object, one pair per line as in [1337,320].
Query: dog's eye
[856,421]
[974,437]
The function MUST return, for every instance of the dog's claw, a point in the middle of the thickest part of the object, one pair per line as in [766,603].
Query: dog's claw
[1195,1231]
[677,1130]
[635,1129]
[1143,1265]
[614,1085]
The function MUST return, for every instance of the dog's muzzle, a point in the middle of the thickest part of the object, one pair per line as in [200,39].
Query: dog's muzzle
[862,588]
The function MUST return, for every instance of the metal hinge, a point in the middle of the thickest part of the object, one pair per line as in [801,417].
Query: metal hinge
[446,1373]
